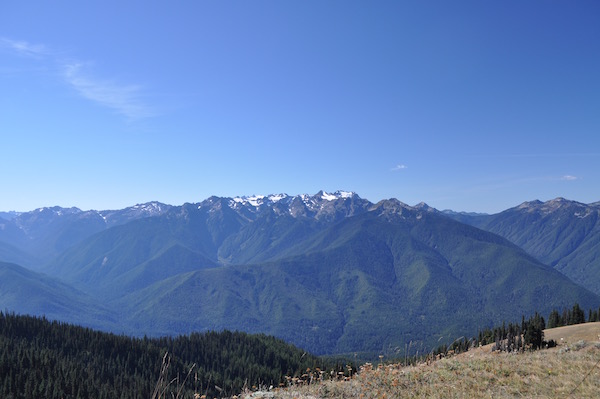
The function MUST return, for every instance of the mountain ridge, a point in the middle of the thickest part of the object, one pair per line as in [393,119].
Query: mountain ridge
[152,208]
[562,233]
[29,292]
[329,272]
[321,272]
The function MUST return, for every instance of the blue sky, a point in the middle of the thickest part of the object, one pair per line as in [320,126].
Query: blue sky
[471,106]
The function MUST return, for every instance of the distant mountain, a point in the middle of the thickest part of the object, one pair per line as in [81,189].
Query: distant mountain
[215,231]
[561,233]
[46,232]
[12,254]
[465,217]
[287,223]
[26,292]
[330,273]
[8,215]
[131,256]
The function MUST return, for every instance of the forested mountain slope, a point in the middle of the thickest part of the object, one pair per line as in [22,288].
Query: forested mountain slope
[39,358]
[561,233]
[36,294]
[330,273]
[388,276]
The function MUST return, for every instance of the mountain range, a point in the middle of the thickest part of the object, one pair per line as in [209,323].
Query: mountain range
[561,233]
[330,272]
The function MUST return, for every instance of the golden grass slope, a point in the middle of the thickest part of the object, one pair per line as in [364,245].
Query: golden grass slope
[589,332]
[570,370]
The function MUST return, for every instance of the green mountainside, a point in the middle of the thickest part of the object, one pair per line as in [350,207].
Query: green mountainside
[10,253]
[331,273]
[561,233]
[37,294]
[131,256]
[46,232]
[382,278]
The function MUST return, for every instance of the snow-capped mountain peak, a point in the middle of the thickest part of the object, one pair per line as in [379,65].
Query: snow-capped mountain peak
[148,209]
[328,197]
[258,200]
[309,200]
[321,204]
[335,196]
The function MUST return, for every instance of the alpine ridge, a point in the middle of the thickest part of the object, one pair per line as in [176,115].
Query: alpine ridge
[561,233]
[330,272]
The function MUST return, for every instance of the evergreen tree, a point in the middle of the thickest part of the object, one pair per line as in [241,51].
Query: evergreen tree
[52,360]
[533,335]
[564,321]
[554,319]
[578,315]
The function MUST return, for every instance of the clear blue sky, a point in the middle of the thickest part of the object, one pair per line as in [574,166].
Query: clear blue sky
[467,105]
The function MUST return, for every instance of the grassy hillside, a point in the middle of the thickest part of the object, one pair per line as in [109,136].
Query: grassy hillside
[569,370]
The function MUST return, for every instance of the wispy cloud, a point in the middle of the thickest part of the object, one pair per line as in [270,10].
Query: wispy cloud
[25,48]
[124,99]
[121,98]
[399,167]
[569,178]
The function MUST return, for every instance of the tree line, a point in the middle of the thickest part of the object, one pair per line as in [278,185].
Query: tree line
[526,335]
[49,359]
[568,317]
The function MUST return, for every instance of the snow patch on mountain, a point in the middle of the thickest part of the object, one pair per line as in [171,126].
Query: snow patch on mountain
[149,208]
[583,215]
[255,200]
[277,197]
[319,205]
[335,196]
[120,216]
[328,197]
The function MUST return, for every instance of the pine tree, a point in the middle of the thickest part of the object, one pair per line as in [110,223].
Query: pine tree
[554,319]
[564,320]
[578,315]
[534,332]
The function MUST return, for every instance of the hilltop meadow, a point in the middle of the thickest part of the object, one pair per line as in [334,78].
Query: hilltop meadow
[40,358]
[569,370]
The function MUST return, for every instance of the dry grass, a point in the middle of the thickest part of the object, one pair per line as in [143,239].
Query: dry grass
[589,332]
[570,370]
